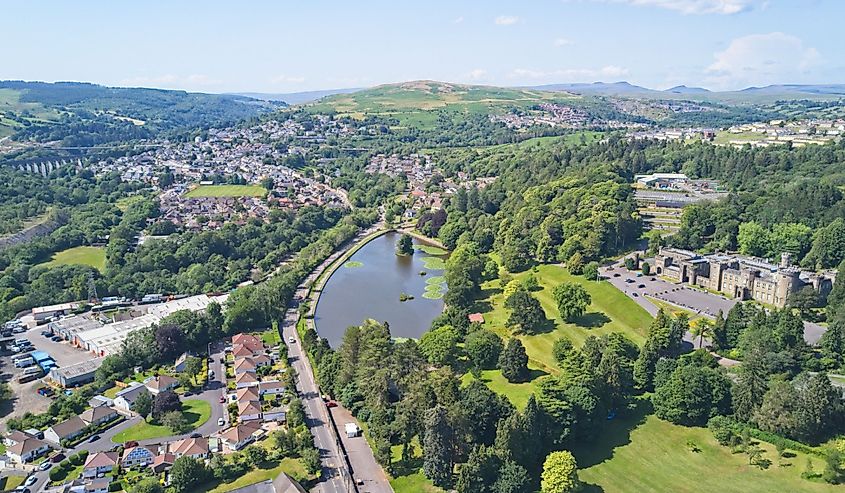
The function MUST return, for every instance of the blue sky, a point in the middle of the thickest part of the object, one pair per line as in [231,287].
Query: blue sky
[287,46]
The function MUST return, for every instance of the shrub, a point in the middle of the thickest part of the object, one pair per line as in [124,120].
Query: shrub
[723,428]
[115,486]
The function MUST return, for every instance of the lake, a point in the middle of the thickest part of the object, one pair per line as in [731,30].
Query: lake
[369,285]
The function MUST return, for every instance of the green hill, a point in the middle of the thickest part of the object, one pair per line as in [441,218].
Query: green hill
[420,102]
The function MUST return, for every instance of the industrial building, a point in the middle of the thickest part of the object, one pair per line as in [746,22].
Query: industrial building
[78,374]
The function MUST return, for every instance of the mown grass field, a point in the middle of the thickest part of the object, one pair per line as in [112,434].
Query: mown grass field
[610,311]
[227,191]
[518,393]
[197,412]
[642,453]
[82,255]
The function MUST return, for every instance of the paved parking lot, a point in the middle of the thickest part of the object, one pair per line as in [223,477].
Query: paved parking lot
[62,352]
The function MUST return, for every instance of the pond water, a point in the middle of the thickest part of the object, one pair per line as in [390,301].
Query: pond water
[369,285]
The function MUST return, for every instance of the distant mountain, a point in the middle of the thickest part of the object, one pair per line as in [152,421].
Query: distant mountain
[297,97]
[608,88]
[687,90]
[826,89]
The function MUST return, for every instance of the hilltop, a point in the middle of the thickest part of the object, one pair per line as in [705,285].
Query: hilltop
[79,113]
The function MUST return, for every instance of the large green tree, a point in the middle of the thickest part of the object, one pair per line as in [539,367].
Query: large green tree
[572,300]
[514,361]
[438,447]
[560,473]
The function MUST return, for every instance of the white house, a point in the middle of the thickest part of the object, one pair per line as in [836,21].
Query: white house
[22,448]
[238,437]
[137,456]
[98,415]
[99,463]
[125,399]
[249,411]
[271,387]
[66,430]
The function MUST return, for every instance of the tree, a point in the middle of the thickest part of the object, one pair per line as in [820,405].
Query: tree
[693,395]
[513,478]
[483,348]
[170,341]
[187,473]
[560,473]
[440,345]
[143,404]
[572,300]
[176,421]
[255,454]
[405,246]
[750,387]
[753,239]
[149,485]
[591,271]
[646,269]
[479,472]
[296,413]
[486,409]
[193,366]
[164,402]
[526,312]
[828,249]
[561,350]
[514,361]
[438,447]
[311,460]
[702,329]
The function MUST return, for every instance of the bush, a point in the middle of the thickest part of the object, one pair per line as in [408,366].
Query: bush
[115,486]
[723,428]
[83,454]
[76,460]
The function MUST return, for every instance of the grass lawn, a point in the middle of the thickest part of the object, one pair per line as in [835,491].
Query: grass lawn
[610,311]
[197,412]
[413,483]
[271,337]
[293,467]
[111,392]
[83,255]
[409,477]
[227,191]
[643,453]
[9,483]
[517,393]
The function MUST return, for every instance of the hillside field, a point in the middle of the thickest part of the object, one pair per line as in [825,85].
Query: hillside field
[81,255]
[227,191]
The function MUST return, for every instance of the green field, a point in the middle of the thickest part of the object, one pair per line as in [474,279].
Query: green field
[642,453]
[82,255]
[517,393]
[610,311]
[195,410]
[227,191]
[9,483]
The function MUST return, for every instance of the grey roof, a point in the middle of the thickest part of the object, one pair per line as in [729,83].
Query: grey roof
[282,484]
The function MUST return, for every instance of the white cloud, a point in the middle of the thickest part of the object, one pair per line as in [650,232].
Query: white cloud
[287,79]
[476,74]
[761,59]
[506,20]
[570,74]
[562,42]
[700,6]
[458,20]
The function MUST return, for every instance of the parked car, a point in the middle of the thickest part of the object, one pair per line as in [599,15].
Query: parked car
[640,286]
[93,438]
[30,481]
[222,399]
[635,295]
[130,443]
[196,435]
[221,421]
[629,280]
[46,333]
[292,340]
[45,391]
[45,465]
[57,458]
[56,338]
[331,404]
[22,489]
[616,274]
[19,329]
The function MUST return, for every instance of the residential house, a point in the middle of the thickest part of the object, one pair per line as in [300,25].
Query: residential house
[282,484]
[99,464]
[243,365]
[162,463]
[247,394]
[137,456]
[244,380]
[66,430]
[125,399]
[100,400]
[160,384]
[239,436]
[271,387]
[98,415]
[192,447]
[249,411]
[100,485]
[22,448]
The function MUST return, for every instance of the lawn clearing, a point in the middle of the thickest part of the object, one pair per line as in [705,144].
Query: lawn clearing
[81,255]
[644,453]
[227,191]
[413,483]
[610,311]
[9,483]
[517,393]
[293,467]
[195,410]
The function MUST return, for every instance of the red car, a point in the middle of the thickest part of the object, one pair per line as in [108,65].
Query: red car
[331,404]
[222,399]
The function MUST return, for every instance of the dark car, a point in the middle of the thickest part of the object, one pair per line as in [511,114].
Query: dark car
[93,438]
[635,295]
[616,274]
[196,435]
[56,339]
[46,333]
[640,286]
[629,280]
[57,458]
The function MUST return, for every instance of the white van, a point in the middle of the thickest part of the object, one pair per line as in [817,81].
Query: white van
[33,370]
[24,362]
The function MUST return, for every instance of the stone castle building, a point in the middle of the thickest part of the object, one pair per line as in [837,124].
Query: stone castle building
[740,276]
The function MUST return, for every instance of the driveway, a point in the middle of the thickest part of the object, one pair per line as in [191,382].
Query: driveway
[364,465]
